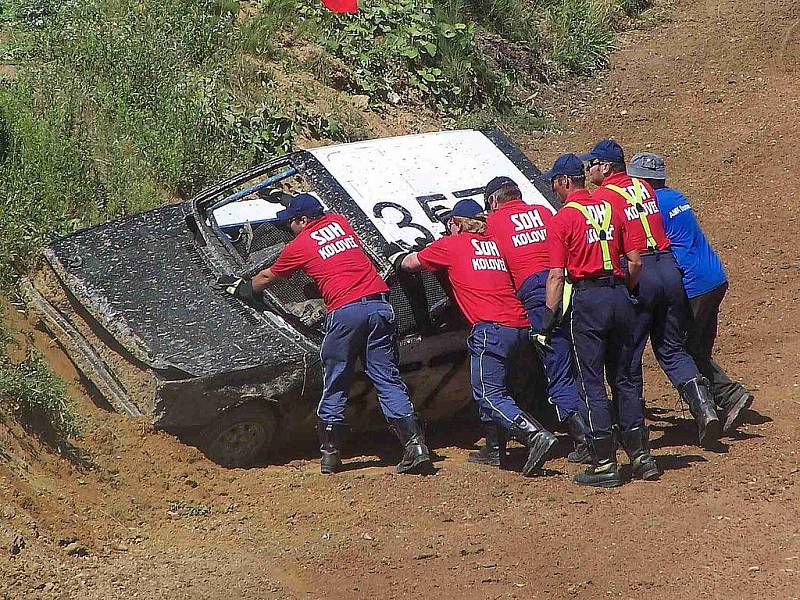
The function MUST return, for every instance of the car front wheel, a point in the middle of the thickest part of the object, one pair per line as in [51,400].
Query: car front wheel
[240,435]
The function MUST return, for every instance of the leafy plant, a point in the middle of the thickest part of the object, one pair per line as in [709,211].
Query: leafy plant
[118,106]
[408,50]
[38,396]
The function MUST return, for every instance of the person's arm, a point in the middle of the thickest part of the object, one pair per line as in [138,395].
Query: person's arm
[634,268]
[263,280]
[411,263]
[554,291]
[433,257]
[557,254]
[249,290]
[554,288]
[629,244]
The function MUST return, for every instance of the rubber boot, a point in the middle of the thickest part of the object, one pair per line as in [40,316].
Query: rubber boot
[538,440]
[577,431]
[416,456]
[494,451]
[643,465]
[331,436]
[696,394]
[603,471]
[733,407]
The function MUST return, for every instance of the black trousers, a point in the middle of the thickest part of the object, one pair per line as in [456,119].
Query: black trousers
[700,344]
[602,342]
[662,316]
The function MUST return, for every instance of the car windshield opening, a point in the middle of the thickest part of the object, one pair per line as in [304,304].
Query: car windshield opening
[245,218]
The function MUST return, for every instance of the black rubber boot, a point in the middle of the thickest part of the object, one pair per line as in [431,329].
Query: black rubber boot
[603,471]
[331,436]
[494,451]
[538,440]
[577,431]
[696,394]
[416,456]
[732,408]
[643,465]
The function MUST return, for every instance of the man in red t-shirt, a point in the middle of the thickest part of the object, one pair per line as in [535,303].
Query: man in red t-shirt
[360,323]
[588,237]
[521,233]
[662,313]
[482,288]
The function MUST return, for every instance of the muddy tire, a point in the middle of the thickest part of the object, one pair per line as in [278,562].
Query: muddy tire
[240,436]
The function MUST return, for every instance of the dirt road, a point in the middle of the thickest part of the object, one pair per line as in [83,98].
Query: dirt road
[717,91]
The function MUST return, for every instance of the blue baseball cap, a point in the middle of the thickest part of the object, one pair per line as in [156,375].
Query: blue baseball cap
[566,164]
[301,205]
[463,208]
[495,184]
[605,150]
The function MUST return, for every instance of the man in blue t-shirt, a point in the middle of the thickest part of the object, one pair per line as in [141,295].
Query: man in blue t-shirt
[704,279]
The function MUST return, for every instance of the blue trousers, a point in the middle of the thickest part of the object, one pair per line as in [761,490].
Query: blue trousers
[662,315]
[363,329]
[561,390]
[602,339]
[491,347]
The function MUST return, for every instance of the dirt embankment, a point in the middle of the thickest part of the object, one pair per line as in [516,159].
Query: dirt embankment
[715,90]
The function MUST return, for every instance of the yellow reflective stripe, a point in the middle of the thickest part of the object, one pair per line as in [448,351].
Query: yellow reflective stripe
[637,203]
[602,231]
[566,297]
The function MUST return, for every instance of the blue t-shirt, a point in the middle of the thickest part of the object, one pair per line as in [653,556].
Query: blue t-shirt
[701,267]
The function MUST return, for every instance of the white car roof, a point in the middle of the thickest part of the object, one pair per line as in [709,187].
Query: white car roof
[416,177]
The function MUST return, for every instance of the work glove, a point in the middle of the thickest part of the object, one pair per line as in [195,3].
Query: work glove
[396,252]
[242,289]
[541,339]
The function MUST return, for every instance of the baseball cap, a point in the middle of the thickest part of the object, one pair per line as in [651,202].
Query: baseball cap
[605,150]
[495,184]
[301,205]
[566,164]
[463,208]
[647,165]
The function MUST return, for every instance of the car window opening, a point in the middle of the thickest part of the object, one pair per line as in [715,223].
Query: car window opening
[247,224]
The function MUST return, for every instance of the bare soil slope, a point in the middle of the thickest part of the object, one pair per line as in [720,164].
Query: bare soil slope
[716,90]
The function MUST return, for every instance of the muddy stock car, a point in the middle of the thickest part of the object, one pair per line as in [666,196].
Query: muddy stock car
[134,305]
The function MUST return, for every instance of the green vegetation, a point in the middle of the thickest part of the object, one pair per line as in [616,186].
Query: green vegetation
[116,106]
[37,396]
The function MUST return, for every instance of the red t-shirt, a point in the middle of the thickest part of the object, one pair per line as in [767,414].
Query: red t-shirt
[575,245]
[630,212]
[329,252]
[520,231]
[479,276]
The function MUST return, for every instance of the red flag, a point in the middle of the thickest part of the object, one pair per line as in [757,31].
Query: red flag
[342,6]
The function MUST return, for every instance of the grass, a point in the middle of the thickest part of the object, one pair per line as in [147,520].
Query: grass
[121,105]
[116,106]
[37,397]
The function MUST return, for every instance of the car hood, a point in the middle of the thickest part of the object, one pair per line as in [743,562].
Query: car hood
[143,280]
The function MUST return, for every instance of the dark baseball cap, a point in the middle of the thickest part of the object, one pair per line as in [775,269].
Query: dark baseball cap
[566,164]
[301,205]
[495,184]
[463,208]
[648,166]
[607,151]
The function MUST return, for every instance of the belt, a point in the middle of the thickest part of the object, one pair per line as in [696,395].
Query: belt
[654,252]
[597,282]
[371,297]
